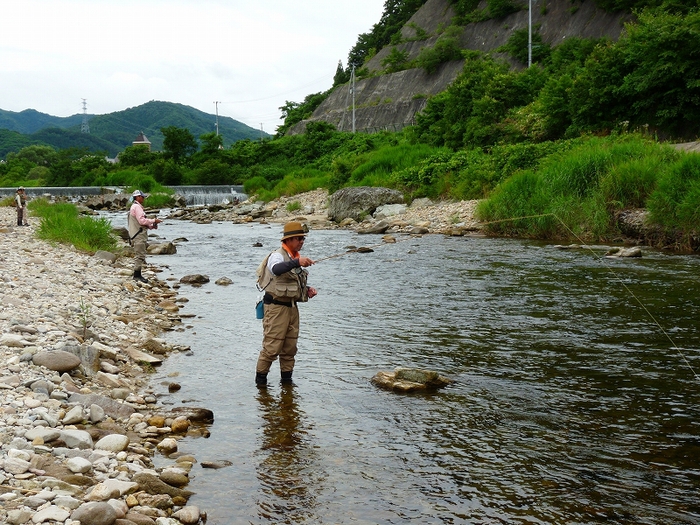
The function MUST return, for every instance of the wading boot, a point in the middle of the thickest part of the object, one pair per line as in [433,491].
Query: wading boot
[139,277]
[287,378]
[260,379]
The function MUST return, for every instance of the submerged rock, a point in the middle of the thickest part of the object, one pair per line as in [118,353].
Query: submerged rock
[410,380]
[635,251]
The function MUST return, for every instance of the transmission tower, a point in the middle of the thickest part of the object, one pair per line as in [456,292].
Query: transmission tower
[84,126]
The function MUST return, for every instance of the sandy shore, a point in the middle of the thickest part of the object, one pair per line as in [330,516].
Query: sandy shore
[78,422]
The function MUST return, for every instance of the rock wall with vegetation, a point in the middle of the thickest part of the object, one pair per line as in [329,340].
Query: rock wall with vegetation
[389,100]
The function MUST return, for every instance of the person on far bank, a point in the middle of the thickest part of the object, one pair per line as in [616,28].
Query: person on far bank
[283,278]
[21,204]
[138,226]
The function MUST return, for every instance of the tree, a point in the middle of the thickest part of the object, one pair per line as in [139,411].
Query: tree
[136,156]
[396,14]
[293,112]
[341,76]
[178,144]
[39,155]
[211,143]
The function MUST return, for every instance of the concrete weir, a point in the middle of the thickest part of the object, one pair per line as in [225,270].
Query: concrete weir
[194,195]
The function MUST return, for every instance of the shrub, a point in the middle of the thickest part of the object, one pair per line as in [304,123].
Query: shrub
[61,223]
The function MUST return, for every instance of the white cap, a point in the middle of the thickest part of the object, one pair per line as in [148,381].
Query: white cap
[138,193]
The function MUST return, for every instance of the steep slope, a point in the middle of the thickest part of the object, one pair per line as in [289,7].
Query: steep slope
[391,100]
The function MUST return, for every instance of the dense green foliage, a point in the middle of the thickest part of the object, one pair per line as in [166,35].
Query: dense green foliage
[396,14]
[294,112]
[576,193]
[61,223]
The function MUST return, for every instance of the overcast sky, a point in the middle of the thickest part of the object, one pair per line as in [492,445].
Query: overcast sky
[250,55]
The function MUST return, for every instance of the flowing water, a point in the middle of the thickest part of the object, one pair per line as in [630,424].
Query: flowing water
[575,395]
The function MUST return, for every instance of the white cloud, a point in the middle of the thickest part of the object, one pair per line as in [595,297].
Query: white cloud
[250,56]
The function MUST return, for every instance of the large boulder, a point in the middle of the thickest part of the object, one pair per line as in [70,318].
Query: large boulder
[358,202]
[57,360]
[163,248]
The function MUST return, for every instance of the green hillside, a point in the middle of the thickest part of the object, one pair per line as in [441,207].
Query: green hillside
[113,132]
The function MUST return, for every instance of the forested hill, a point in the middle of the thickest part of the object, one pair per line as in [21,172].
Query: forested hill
[113,132]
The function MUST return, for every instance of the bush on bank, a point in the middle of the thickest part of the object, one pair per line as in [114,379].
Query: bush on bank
[576,194]
[61,223]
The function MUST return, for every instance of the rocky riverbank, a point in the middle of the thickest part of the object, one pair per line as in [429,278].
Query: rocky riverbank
[422,216]
[79,426]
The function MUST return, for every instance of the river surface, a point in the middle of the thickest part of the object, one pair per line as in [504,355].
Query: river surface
[575,400]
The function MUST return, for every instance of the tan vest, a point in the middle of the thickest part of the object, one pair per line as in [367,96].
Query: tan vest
[289,285]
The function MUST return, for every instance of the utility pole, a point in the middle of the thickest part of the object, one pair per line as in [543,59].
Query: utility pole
[529,34]
[352,79]
[216,104]
[84,126]
[261,132]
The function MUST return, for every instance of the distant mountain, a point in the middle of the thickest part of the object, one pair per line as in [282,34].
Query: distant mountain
[113,132]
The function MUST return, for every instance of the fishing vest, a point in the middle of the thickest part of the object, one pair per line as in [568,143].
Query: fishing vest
[133,226]
[289,285]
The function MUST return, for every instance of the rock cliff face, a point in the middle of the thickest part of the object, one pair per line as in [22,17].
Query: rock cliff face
[391,101]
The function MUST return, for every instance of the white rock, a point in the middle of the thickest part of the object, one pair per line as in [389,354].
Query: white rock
[19,454]
[76,439]
[167,446]
[13,340]
[16,466]
[108,380]
[120,507]
[167,521]
[188,515]
[74,415]
[45,433]
[124,487]
[18,516]
[51,513]
[113,443]
[97,413]
[31,402]
[46,495]
[67,502]
[79,465]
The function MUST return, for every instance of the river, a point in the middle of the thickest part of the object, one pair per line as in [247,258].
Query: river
[575,397]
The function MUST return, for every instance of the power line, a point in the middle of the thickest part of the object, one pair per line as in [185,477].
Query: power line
[278,95]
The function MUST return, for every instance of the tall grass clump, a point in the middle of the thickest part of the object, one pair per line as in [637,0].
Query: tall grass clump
[62,224]
[675,202]
[520,206]
[575,193]
[299,181]
[378,166]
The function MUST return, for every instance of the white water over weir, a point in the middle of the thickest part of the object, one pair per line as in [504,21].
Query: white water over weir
[194,195]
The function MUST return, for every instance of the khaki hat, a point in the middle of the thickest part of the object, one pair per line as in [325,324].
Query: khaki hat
[293,229]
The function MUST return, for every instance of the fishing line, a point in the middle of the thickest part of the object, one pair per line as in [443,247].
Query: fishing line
[619,280]
[583,244]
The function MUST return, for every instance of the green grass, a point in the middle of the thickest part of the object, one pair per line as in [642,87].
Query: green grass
[575,193]
[61,223]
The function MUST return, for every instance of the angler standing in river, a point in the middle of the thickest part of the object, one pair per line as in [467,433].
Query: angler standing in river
[138,225]
[283,278]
